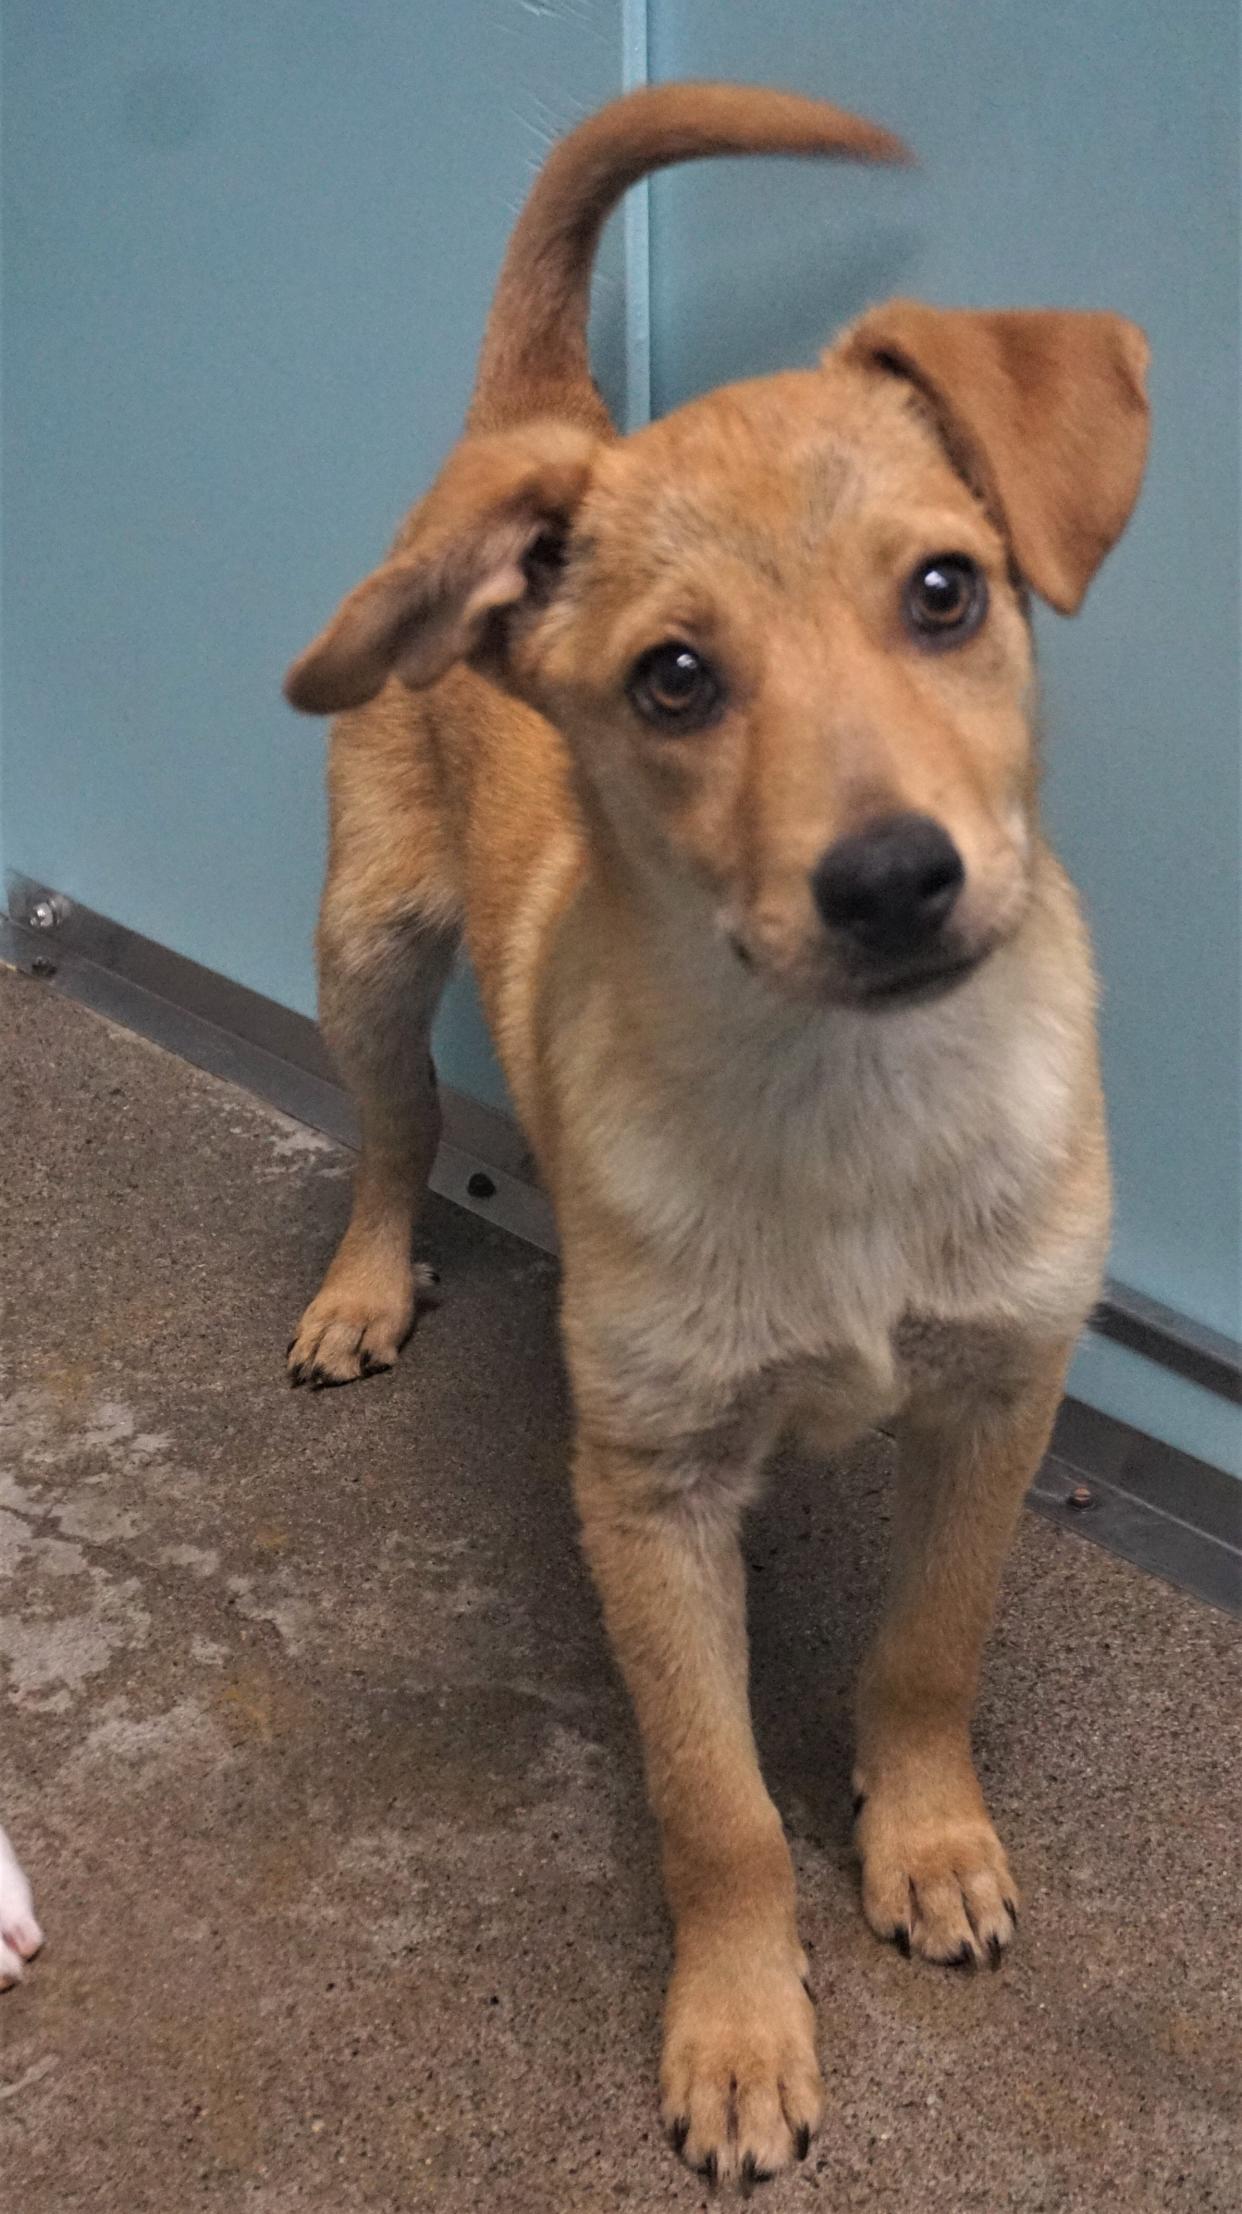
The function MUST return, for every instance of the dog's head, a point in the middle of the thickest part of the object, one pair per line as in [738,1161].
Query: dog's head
[784,630]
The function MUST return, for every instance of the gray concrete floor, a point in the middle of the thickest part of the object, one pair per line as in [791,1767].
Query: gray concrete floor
[313,1751]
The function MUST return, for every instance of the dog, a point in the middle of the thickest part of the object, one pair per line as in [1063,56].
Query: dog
[715,744]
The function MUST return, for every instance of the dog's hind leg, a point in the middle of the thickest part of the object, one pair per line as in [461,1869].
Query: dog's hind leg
[380,979]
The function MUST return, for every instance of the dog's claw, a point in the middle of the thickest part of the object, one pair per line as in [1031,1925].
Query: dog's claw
[802,2141]
[996,1952]
[901,1939]
[678,2133]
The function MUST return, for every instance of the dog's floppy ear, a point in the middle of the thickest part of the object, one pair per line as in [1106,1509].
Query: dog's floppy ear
[461,558]
[1043,411]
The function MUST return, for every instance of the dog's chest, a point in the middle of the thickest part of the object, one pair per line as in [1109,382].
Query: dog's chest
[806,1240]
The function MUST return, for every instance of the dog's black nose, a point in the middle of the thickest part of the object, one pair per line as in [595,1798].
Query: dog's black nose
[891,886]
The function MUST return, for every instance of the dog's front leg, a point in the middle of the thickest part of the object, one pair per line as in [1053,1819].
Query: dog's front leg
[935,1877]
[740,2083]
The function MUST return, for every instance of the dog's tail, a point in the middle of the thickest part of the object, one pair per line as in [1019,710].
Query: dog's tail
[534,357]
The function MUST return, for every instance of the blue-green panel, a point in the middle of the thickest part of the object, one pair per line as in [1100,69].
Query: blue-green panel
[1080,153]
[1122,1383]
[249,246]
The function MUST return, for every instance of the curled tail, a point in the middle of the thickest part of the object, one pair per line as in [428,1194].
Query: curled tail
[534,356]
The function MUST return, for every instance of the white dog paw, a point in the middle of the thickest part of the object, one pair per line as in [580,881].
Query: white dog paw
[20,1935]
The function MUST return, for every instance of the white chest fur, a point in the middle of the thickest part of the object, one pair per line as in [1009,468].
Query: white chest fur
[790,1185]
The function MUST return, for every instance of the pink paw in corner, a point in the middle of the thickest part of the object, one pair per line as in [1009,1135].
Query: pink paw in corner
[20,1935]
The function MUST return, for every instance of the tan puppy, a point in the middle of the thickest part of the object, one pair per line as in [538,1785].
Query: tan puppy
[715,744]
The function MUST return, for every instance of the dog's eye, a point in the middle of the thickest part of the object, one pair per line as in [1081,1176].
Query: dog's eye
[672,686]
[945,600]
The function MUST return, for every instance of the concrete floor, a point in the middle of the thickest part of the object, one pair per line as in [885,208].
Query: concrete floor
[313,1751]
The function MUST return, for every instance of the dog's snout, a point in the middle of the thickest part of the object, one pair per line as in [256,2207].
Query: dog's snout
[891,886]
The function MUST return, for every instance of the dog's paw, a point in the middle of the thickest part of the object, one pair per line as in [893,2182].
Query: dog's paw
[357,1324]
[20,1935]
[935,1882]
[741,2093]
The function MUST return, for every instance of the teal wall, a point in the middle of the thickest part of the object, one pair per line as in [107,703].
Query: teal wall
[1081,153]
[248,250]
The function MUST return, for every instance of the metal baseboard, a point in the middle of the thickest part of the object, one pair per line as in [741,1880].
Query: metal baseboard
[1172,1515]
[1205,1357]
[1177,1517]
[483,1164]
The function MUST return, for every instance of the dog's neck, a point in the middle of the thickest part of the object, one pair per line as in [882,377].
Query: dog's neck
[718,1116]
[974,1092]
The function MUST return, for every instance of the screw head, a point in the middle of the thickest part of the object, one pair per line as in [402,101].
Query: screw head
[42,915]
